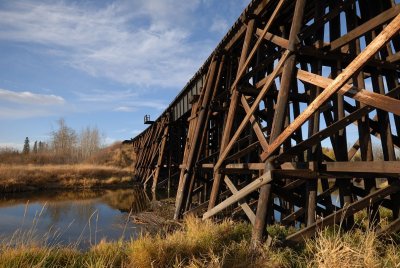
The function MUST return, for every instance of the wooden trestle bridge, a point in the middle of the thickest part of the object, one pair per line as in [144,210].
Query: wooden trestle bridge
[248,135]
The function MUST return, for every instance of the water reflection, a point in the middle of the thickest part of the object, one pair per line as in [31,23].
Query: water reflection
[80,218]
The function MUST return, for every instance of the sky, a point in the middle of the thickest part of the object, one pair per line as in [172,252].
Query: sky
[100,63]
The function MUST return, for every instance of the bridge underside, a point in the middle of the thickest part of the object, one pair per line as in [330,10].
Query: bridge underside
[294,118]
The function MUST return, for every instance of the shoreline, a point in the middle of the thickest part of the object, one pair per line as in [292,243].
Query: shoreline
[31,178]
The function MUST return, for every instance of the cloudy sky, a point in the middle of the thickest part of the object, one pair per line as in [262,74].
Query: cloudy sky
[100,63]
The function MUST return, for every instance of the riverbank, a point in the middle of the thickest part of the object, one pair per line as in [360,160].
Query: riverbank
[23,178]
[205,244]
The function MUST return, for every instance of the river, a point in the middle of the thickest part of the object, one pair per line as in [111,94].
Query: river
[73,218]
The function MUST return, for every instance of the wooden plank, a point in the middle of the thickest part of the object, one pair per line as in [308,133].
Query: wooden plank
[257,183]
[160,158]
[243,151]
[233,105]
[364,96]
[392,227]
[253,108]
[293,216]
[338,82]
[365,27]
[277,40]
[235,38]
[394,57]
[183,178]
[246,208]
[271,20]
[343,213]
[256,125]
[237,166]
[383,167]
[320,22]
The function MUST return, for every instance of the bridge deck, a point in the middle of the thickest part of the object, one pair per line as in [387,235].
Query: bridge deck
[294,118]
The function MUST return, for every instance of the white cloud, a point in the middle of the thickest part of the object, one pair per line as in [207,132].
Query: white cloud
[135,105]
[25,104]
[125,109]
[145,43]
[27,97]
[105,96]
[219,25]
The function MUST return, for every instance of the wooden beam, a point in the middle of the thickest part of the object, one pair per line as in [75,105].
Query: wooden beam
[277,40]
[233,105]
[338,82]
[394,57]
[365,27]
[237,166]
[257,183]
[382,167]
[343,213]
[160,158]
[253,108]
[364,96]
[246,208]
[258,43]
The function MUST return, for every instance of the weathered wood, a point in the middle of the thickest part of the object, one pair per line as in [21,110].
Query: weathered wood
[343,213]
[251,111]
[338,82]
[274,101]
[365,27]
[367,97]
[244,205]
[160,159]
[230,117]
[257,183]
[196,134]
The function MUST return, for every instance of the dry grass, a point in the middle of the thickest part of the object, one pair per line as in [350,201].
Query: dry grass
[14,178]
[117,154]
[206,244]
[356,249]
[198,243]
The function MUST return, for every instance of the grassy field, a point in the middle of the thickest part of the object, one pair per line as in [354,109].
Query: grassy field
[206,244]
[18,178]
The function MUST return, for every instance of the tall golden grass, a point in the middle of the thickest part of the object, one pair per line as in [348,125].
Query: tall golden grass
[14,178]
[207,244]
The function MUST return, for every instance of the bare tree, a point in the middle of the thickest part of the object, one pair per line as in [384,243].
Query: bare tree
[89,142]
[64,141]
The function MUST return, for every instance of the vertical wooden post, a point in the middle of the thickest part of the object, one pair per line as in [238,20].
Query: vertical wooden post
[204,140]
[160,157]
[231,115]
[195,140]
[262,211]
[277,125]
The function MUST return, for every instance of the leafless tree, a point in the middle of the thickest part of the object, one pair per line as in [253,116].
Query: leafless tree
[64,141]
[89,142]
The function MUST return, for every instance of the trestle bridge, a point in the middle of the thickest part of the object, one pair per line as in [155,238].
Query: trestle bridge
[294,118]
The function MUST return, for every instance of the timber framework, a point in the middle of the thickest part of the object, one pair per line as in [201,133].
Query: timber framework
[294,118]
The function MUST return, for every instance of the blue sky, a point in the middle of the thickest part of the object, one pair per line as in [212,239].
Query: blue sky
[100,63]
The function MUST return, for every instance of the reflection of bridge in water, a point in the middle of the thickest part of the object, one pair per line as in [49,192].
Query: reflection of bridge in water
[246,134]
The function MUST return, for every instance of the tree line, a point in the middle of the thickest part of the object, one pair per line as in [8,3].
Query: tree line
[65,146]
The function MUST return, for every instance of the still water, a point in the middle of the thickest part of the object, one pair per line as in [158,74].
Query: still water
[78,218]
